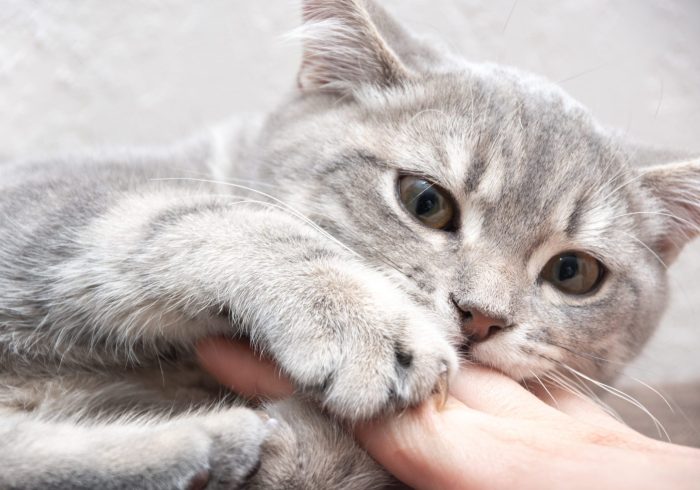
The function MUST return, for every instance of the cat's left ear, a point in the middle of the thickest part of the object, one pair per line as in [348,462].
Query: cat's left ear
[677,188]
[346,43]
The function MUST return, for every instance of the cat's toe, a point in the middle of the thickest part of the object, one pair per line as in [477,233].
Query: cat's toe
[385,375]
[430,367]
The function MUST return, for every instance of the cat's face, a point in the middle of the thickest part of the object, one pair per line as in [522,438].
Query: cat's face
[485,191]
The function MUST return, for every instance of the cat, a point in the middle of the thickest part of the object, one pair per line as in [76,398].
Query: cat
[401,209]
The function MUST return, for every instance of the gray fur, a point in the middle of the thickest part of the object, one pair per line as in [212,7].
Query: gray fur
[113,266]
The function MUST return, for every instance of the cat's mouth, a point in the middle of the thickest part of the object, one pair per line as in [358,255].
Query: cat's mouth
[499,351]
[465,349]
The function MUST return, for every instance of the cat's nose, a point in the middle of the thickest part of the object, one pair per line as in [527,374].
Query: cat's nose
[478,326]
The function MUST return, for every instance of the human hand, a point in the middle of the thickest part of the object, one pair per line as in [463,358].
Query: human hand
[492,433]
[235,365]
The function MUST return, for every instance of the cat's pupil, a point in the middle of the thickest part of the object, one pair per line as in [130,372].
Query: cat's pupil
[426,202]
[568,268]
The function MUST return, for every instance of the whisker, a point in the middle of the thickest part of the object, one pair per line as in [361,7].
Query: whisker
[564,384]
[203,175]
[681,290]
[583,354]
[595,398]
[678,409]
[669,215]
[612,160]
[668,401]
[285,207]
[544,387]
[623,396]
[422,192]
[294,212]
[633,179]
[645,246]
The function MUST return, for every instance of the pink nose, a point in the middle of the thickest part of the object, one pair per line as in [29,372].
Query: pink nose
[479,327]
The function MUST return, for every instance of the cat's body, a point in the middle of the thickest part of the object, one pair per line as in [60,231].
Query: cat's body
[112,267]
[74,409]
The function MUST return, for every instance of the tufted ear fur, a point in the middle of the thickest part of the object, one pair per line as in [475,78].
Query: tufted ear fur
[677,187]
[346,43]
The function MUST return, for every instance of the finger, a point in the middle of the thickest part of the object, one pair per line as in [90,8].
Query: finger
[234,364]
[494,393]
[419,446]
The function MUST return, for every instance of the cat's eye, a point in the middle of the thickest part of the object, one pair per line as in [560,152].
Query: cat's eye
[574,272]
[428,202]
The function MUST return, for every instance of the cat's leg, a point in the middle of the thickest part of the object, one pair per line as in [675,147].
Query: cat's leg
[310,450]
[220,449]
[157,265]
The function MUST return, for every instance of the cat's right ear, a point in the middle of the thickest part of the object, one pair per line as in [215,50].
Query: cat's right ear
[344,47]
[676,187]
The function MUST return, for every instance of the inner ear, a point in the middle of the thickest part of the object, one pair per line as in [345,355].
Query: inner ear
[343,47]
[676,186]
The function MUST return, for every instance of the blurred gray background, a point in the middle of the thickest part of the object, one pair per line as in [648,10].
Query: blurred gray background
[86,73]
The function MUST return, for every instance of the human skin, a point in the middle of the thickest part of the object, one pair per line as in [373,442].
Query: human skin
[491,433]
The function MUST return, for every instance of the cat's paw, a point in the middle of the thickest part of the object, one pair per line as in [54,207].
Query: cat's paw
[399,364]
[308,449]
[236,437]
[363,347]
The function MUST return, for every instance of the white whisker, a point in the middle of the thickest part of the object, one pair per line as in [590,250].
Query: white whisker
[623,396]
[544,387]
[646,247]
[626,183]
[286,206]
[564,384]
[669,215]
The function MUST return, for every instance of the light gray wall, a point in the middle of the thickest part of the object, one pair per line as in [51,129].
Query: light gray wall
[76,73]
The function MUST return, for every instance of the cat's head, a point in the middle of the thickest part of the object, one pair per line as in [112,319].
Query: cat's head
[504,207]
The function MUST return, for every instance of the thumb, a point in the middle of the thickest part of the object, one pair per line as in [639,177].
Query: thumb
[416,446]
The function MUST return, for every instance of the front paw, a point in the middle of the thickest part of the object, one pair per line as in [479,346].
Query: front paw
[363,347]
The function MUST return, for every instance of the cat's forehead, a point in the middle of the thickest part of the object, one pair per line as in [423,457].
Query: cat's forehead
[470,118]
[518,151]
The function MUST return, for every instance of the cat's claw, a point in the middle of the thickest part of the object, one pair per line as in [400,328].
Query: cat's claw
[442,388]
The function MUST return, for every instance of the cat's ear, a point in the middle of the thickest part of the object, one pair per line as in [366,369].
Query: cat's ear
[344,46]
[677,188]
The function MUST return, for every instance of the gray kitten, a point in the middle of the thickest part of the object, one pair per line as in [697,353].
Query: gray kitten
[407,205]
